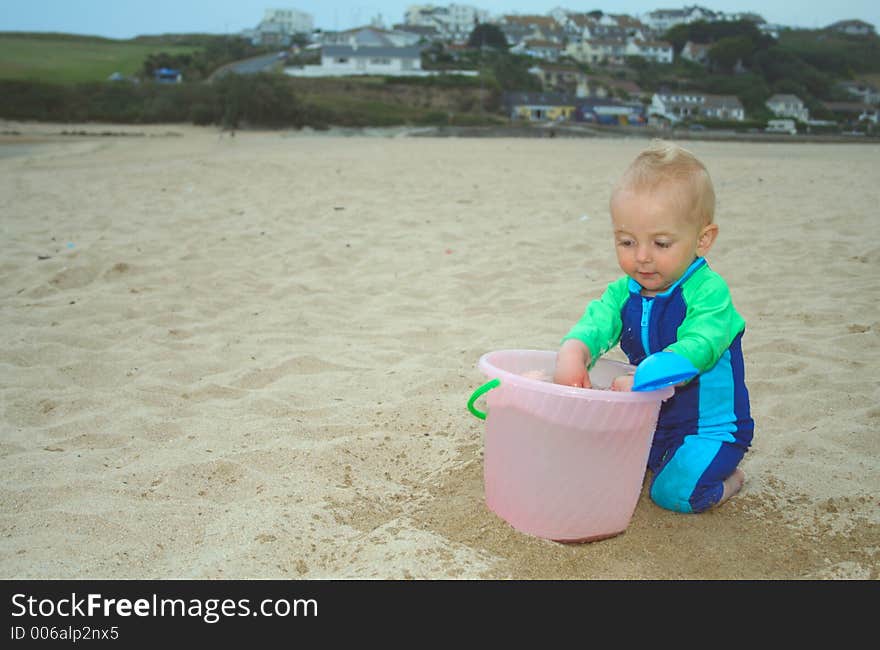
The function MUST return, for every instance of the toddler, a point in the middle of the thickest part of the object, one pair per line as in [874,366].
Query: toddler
[670,302]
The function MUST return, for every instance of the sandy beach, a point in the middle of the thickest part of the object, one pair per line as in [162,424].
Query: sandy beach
[250,357]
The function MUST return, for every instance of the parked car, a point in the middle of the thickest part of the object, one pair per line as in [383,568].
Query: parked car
[781,126]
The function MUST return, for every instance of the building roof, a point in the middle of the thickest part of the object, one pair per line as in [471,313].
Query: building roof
[412,52]
[422,30]
[848,107]
[528,20]
[723,101]
[630,87]
[543,43]
[858,85]
[663,44]
[703,99]
[784,99]
[696,47]
[582,20]
[626,21]
[850,23]
[538,99]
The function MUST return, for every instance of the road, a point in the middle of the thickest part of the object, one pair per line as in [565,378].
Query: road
[249,66]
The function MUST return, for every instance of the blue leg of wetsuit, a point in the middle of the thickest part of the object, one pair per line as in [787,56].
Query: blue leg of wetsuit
[689,477]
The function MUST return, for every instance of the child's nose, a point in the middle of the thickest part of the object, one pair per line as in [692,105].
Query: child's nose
[643,254]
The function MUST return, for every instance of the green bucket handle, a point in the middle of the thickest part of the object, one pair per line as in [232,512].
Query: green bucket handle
[485,388]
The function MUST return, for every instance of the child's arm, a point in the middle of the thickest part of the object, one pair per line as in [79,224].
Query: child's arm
[571,364]
[595,333]
[710,325]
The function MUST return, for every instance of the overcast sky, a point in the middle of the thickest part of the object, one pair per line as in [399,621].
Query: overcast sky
[128,18]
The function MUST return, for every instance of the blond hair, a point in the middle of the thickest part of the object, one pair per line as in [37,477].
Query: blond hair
[664,162]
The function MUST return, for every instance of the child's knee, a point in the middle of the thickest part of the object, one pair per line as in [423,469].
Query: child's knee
[671,494]
[677,491]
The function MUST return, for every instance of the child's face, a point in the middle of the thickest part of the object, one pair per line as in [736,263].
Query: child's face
[655,241]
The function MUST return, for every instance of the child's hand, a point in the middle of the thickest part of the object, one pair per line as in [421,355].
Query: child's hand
[571,365]
[624,383]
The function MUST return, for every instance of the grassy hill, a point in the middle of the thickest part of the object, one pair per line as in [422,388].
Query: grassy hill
[67,58]
[61,77]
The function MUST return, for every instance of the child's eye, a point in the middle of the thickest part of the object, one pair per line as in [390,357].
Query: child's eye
[663,244]
[625,242]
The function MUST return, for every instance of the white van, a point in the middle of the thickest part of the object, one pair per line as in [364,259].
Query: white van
[781,126]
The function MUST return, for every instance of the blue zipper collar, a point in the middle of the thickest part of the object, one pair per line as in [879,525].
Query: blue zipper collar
[635,287]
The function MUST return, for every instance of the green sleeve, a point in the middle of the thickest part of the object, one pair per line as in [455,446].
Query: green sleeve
[710,324]
[600,326]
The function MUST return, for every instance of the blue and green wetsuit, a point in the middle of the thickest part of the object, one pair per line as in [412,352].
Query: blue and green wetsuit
[705,428]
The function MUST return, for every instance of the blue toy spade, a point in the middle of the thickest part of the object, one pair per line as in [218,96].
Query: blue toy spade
[662,369]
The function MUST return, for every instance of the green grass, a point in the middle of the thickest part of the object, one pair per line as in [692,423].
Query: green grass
[62,59]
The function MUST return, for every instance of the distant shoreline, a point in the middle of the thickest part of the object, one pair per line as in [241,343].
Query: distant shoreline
[35,133]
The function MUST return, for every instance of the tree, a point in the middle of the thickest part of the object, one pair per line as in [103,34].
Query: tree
[730,52]
[487,35]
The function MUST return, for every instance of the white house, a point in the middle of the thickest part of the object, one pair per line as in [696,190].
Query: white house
[656,51]
[723,107]
[539,48]
[863,90]
[696,52]
[342,60]
[595,50]
[852,27]
[683,105]
[291,21]
[454,22]
[615,51]
[788,106]
[663,19]
[279,26]
[518,28]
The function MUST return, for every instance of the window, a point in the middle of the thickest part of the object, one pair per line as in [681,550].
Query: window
[340,59]
[380,61]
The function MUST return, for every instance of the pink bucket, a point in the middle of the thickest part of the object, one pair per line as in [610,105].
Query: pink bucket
[563,463]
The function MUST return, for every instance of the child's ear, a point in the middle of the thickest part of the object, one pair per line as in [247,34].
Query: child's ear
[707,237]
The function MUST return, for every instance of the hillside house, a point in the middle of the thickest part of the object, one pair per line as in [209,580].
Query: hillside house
[454,23]
[576,25]
[610,112]
[539,49]
[615,51]
[863,90]
[685,106]
[696,52]
[655,51]
[425,33]
[347,60]
[852,27]
[539,107]
[519,28]
[279,26]
[851,113]
[661,20]
[594,50]
[558,78]
[788,106]
[567,79]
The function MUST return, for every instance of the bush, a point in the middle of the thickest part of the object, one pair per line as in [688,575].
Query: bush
[441,81]
[434,118]
[202,115]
